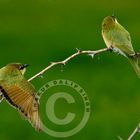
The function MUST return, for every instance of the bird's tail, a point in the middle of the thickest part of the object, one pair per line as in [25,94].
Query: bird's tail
[135,65]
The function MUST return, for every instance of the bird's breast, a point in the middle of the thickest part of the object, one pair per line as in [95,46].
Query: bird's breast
[107,41]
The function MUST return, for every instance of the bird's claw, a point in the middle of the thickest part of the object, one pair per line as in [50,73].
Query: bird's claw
[111,49]
[1,97]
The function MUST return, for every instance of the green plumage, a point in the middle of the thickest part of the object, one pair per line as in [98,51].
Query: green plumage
[118,38]
[19,93]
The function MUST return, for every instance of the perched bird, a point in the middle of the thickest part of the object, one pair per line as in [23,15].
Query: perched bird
[117,38]
[19,93]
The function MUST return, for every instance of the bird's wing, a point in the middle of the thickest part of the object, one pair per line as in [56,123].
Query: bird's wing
[121,39]
[22,96]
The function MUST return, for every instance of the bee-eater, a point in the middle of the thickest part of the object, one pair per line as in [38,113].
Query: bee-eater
[118,39]
[19,93]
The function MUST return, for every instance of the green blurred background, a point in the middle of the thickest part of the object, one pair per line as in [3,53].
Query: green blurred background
[39,31]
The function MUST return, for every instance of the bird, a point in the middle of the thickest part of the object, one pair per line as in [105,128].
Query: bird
[118,39]
[20,93]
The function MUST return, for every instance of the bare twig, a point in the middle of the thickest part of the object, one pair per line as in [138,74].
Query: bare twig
[119,137]
[63,62]
[92,54]
[135,132]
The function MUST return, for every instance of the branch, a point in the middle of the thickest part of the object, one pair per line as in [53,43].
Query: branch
[92,54]
[135,132]
[63,62]
[120,138]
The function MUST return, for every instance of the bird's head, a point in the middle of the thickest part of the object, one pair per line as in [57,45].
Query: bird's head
[109,22]
[18,66]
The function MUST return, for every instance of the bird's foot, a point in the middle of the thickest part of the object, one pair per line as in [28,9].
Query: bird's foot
[111,49]
[137,54]
[1,97]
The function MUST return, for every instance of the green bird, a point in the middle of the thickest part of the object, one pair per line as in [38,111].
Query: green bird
[117,38]
[19,93]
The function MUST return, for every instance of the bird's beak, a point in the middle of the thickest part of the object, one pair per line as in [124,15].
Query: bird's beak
[26,65]
[113,14]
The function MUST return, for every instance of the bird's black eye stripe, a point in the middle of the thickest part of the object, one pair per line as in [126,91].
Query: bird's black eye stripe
[113,18]
[21,67]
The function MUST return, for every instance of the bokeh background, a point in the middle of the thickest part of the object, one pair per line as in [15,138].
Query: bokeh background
[39,31]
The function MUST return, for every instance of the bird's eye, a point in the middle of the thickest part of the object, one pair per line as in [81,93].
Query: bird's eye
[21,67]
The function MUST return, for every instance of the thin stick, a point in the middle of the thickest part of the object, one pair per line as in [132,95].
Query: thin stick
[135,132]
[63,62]
[120,138]
[79,52]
